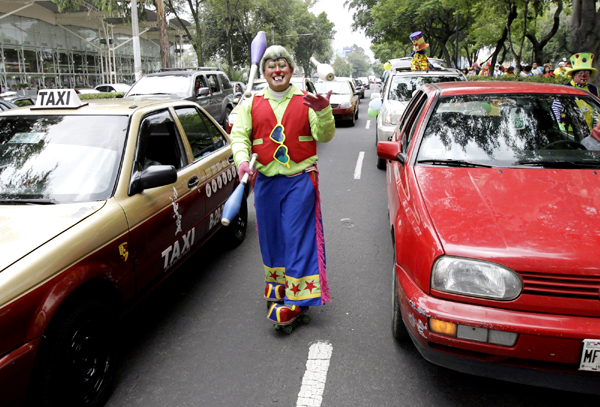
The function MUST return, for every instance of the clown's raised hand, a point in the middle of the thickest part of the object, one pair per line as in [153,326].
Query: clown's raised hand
[318,102]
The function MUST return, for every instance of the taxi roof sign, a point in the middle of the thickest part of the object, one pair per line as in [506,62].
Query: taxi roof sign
[58,99]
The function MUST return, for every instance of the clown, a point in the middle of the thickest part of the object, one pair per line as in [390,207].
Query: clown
[419,59]
[580,74]
[282,125]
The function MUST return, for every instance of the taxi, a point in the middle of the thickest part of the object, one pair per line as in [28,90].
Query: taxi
[99,203]
[494,195]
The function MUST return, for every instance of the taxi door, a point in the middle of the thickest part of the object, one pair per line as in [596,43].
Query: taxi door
[164,221]
[211,151]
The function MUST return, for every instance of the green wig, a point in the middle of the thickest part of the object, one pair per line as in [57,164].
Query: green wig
[275,52]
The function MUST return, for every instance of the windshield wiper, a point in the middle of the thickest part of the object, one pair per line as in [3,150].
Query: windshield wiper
[559,164]
[454,163]
[29,201]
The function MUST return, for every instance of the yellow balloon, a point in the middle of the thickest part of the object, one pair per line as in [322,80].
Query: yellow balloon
[387,66]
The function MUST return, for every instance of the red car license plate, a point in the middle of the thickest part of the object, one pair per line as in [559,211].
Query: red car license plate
[590,355]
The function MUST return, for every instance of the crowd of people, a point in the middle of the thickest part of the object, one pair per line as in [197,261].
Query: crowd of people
[547,70]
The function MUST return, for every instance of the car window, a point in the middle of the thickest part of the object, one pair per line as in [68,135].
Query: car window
[402,87]
[203,136]
[225,81]
[213,83]
[163,84]
[414,119]
[23,102]
[310,87]
[50,158]
[514,130]
[159,143]
[103,89]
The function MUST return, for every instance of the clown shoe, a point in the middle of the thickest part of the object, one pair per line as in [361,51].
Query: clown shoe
[282,314]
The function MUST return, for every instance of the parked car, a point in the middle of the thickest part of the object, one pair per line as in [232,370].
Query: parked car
[365,81]
[344,98]
[492,205]
[83,91]
[400,85]
[113,87]
[259,84]
[238,87]
[359,87]
[91,222]
[207,86]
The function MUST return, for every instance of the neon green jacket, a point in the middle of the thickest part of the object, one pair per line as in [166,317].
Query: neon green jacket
[322,125]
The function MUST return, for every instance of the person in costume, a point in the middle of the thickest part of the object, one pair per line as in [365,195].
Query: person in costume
[282,124]
[580,75]
[419,58]
[561,70]
[485,69]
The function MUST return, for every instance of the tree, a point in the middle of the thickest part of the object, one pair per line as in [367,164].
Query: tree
[315,34]
[359,61]
[585,30]
[341,67]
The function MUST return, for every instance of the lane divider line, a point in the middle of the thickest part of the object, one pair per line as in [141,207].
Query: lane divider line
[315,376]
[358,168]
[368,125]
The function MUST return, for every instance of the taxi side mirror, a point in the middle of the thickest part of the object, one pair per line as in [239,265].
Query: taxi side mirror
[391,150]
[152,177]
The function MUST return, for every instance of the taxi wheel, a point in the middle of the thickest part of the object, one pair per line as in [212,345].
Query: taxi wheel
[353,120]
[234,234]
[398,328]
[78,361]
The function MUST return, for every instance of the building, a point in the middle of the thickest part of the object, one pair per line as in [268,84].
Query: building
[43,48]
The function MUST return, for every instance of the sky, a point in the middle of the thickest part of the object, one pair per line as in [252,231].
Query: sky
[342,18]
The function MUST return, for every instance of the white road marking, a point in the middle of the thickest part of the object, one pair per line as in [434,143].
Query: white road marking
[315,376]
[368,125]
[358,168]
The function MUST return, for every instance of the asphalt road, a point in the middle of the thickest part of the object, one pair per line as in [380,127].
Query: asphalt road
[203,339]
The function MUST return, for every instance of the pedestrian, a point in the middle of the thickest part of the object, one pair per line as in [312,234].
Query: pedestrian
[561,70]
[548,73]
[282,125]
[485,69]
[510,71]
[497,71]
[525,71]
[535,69]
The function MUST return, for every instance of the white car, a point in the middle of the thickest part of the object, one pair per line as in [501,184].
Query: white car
[113,87]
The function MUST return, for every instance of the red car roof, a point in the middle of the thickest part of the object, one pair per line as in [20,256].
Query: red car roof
[483,87]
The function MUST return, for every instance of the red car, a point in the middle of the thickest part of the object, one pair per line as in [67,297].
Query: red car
[494,202]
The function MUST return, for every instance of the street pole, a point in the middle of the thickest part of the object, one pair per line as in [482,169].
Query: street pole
[135,33]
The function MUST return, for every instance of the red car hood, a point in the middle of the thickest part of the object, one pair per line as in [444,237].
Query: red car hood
[542,220]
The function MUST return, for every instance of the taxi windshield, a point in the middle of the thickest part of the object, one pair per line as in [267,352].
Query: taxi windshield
[402,87]
[179,85]
[533,130]
[60,159]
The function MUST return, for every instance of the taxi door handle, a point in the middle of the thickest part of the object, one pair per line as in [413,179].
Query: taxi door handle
[193,182]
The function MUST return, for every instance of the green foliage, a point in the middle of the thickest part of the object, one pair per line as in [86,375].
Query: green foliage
[358,61]
[101,95]
[341,67]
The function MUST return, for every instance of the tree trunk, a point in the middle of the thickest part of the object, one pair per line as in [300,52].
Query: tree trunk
[538,47]
[512,14]
[165,56]
[585,31]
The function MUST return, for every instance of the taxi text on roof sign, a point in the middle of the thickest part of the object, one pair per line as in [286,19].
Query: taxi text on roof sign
[58,99]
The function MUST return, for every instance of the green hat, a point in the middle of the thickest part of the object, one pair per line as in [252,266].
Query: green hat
[582,61]
[275,52]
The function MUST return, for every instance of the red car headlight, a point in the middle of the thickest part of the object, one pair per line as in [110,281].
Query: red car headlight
[475,278]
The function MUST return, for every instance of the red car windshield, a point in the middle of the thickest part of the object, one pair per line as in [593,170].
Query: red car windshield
[513,130]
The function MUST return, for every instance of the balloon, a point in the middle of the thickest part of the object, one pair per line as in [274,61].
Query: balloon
[375,104]
[387,66]
[372,112]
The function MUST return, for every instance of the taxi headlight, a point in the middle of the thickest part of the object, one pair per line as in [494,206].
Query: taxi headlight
[475,278]
[345,105]
[231,118]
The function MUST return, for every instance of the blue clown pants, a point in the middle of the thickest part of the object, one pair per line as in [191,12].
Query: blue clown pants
[291,236]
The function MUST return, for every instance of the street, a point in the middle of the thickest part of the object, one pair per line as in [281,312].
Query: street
[202,338]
